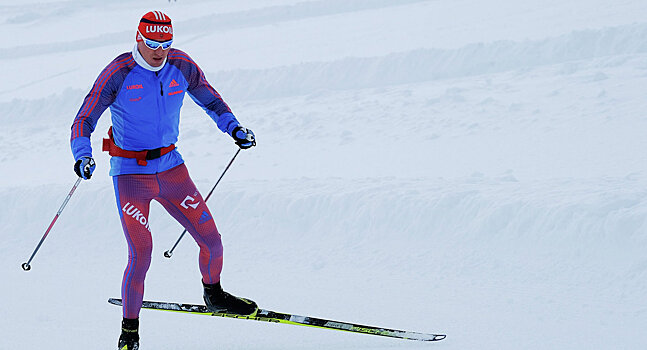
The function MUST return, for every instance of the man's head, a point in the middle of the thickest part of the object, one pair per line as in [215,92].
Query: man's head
[154,37]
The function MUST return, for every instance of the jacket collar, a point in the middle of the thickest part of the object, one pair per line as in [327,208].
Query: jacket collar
[142,62]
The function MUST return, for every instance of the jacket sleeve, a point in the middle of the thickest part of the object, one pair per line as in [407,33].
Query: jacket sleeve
[205,95]
[101,96]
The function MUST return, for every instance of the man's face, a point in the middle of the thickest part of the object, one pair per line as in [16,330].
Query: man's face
[153,57]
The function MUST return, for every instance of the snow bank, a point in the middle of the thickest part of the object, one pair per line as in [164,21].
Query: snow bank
[431,64]
[362,245]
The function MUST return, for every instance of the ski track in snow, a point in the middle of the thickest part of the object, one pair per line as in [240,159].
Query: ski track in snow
[431,166]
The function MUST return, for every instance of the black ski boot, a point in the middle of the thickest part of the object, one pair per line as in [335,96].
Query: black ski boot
[217,300]
[129,339]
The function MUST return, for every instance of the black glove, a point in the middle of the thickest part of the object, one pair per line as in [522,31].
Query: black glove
[244,137]
[87,165]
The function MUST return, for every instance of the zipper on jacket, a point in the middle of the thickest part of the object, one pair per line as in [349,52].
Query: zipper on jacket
[160,108]
[161,86]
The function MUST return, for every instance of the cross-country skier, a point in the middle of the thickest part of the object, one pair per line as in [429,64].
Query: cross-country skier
[144,89]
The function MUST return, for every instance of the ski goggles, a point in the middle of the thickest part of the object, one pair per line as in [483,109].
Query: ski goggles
[154,45]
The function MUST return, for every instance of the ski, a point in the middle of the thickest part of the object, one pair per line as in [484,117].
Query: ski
[278,317]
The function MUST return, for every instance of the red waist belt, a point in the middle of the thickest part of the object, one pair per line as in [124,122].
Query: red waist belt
[141,156]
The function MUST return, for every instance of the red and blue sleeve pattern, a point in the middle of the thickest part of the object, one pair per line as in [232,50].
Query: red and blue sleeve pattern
[101,96]
[202,92]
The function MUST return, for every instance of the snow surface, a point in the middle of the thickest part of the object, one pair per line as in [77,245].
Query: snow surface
[474,168]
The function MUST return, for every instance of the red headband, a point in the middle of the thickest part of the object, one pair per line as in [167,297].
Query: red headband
[155,25]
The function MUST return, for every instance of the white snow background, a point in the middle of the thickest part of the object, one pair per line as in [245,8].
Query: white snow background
[473,168]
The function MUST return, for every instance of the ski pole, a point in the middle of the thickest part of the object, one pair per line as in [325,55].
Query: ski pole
[26,266]
[169,253]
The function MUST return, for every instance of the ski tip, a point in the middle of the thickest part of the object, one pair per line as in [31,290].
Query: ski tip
[425,337]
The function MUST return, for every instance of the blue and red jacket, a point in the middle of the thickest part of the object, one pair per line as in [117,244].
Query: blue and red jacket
[145,107]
